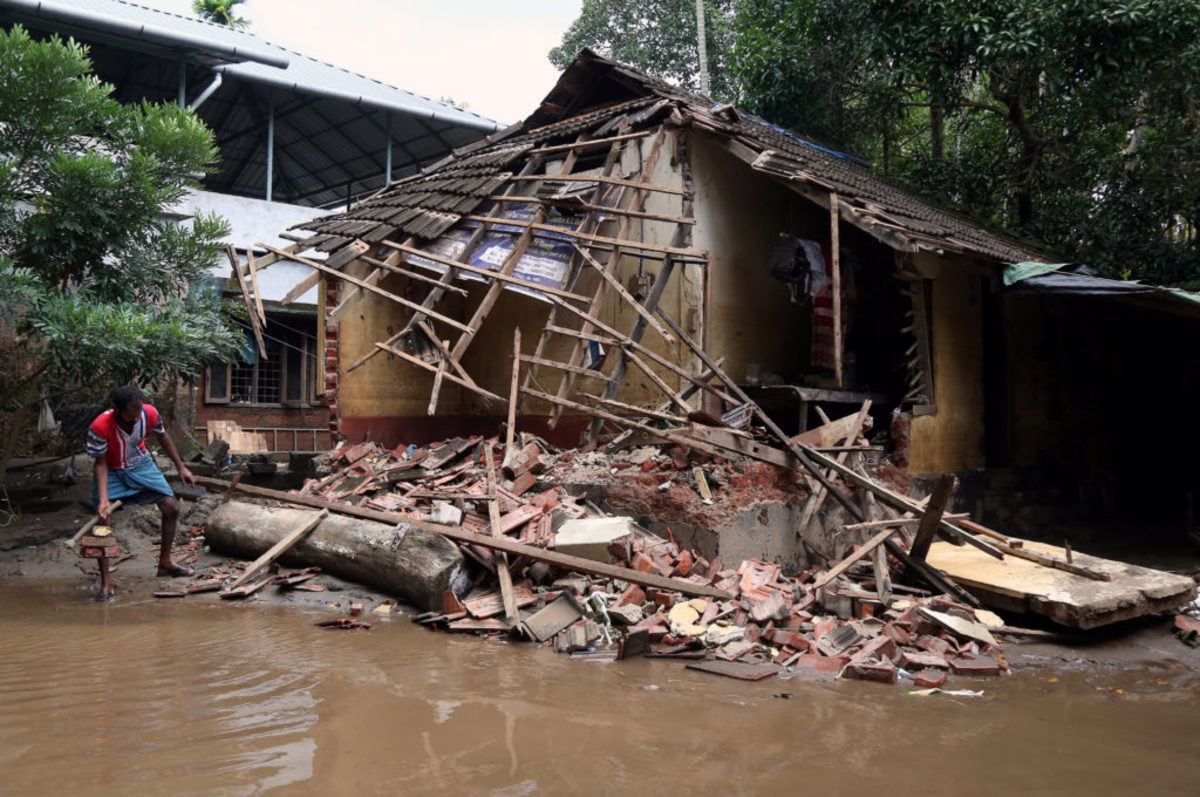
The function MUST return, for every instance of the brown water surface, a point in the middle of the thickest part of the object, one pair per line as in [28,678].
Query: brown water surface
[194,697]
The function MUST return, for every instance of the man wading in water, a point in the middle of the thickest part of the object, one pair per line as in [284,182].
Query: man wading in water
[124,470]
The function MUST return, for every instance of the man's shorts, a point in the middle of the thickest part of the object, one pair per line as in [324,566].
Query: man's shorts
[141,484]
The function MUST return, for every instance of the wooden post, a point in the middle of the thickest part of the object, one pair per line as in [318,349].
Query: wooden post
[932,518]
[513,391]
[836,277]
[506,586]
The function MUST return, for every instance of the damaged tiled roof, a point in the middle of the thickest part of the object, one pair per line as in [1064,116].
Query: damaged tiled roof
[595,95]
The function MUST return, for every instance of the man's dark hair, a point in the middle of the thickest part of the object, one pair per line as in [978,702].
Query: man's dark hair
[125,395]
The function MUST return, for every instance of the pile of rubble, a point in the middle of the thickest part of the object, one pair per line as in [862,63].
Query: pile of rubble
[752,622]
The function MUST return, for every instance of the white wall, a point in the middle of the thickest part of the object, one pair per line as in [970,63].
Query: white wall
[256,221]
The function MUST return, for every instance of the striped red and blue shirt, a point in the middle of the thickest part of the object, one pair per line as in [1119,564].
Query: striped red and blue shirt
[121,449]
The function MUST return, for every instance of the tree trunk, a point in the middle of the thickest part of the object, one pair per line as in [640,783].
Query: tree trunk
[410,563]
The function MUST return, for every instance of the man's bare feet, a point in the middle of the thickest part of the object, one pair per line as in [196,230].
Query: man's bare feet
[174,571]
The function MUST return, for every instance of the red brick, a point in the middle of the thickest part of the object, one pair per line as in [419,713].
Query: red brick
[683,565]
[648,465]
[898,634]
[980,666]
[879,647]
[824,626]
[929,679]
[813,661]
[913,661]
[665,598]
[933,644]
[870,670]
[643,563]
[633,594]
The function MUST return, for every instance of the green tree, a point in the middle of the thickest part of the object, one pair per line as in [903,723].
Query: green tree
[97,283]
[657,36]
[220,11]
[1072,122]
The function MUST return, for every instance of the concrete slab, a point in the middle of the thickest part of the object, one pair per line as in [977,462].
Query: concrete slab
[1076,601]
[590,537]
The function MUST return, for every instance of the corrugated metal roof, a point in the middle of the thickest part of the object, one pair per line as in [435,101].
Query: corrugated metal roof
[242,54]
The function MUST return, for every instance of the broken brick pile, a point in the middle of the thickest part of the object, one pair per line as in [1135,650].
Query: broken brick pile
[772,624]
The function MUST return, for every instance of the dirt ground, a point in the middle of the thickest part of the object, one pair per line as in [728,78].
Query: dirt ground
[47,514]
[33,542]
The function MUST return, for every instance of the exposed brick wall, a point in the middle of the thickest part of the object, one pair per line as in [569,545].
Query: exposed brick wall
[265,417]
[332,295]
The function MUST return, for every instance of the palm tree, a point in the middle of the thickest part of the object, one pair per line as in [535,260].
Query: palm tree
[220,12]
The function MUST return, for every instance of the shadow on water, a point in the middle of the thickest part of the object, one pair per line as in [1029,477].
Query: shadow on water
[200,697]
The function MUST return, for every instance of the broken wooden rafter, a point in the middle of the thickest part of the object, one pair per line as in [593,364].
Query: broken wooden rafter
[386,294]
[278,549]
[251,309]
[410,274]
[859,553]
[417,361]
[629,298]
[551,231]
[591,143]
[574,267]
[484,272]
[564,561]
[599,209]
[574,369]
[506,586]
[576,178]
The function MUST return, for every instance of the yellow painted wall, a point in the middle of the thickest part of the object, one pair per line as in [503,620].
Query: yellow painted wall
[953,439]
[385,387]
[739,217]
[396,388]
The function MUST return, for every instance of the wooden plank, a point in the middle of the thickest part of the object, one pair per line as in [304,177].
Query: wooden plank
[663,434]
[506,586]
[302,287]
[442,350]
[380,291]
[939,499]
[833,432]
[412,275]
[262,316]
[278,549]
[657,380]
[859,552]
[575,265]
[835,260]
[575,369]
[400,300]
[417,361]
[603,340]
[550,231]
[897,521]
[576,178]
[1018,585]
[511,428]
[231,253]
[616,285]
[813,504]
[438,376]
[591,143]
[564,561]
[643,411]
[598,209]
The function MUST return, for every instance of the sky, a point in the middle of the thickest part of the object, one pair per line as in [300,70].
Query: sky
[490,54]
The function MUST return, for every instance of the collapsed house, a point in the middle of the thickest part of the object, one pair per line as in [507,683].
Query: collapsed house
[633,264]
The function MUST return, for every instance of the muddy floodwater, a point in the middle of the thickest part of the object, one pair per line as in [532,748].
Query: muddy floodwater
[189,698]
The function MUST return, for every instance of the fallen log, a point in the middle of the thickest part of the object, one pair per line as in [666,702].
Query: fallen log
[408,562]
[560,560]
